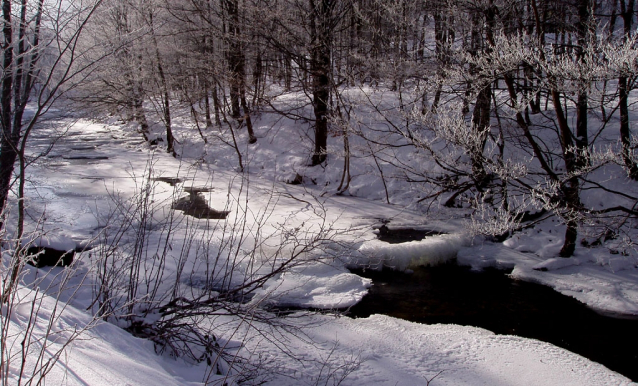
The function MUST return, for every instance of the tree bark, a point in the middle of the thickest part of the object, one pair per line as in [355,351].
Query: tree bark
[582,141]
[320,40]
[569,189]
[9,141]
[237,66]
[235,57]
[165,98]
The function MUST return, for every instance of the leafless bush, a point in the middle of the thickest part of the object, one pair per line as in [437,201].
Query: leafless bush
[33,332]
[167,276]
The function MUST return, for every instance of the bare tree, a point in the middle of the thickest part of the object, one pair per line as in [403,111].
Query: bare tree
[41,61]
[627,15]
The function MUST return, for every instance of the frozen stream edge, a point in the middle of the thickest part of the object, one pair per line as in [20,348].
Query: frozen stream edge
[391,351]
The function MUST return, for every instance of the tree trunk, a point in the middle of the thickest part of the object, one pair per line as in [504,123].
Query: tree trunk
[582,141]
[138,105]
[321,38]
[9,141]
[481,123]
[236,62]
[216,105]
[209,122]
[165,98]
[235,57]
[483,107]
[11,148]
[249,122]
[569,189]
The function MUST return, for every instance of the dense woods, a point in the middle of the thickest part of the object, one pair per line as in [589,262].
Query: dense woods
[512,100]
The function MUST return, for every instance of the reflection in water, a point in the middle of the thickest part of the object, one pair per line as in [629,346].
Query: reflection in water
[491,300]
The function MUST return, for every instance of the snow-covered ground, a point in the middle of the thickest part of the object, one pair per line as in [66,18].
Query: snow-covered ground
[96,164]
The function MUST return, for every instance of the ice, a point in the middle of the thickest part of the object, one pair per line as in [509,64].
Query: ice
[51,240]
[316,286]
[432,250]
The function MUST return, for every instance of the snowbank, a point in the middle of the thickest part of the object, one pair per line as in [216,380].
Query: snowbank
[432,250]
[103,354]
[316,286]
[582,278]
[386,351]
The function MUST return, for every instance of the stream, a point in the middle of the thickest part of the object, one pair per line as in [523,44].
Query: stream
[489,299]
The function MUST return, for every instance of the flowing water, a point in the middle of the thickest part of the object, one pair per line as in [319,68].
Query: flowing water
[490,299]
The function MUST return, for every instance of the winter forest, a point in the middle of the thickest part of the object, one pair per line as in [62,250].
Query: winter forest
[230,192]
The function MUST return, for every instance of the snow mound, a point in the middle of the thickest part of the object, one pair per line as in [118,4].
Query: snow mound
[316,286]
[494,256]
[393,352]
[431,251]
[53,241]
[103,354]
[556,263]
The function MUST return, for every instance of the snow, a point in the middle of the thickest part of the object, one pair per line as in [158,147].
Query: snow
[433,250]
[314,286]
[394,351]
[74,197]
[599,286]
[54,241]
[102,354]
[379,350]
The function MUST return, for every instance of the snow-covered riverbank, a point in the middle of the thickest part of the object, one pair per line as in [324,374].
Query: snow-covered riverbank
[73,189]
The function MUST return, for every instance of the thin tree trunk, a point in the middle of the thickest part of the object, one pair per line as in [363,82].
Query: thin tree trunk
[321,36]
[258,81]
[582,140]
[481,123]
[570,187]
[249,122]
[236,62]
[483,107]
[443,36]
[235,57]
[138,105]
[22,85]
[209,122]
[166,106]
[8,142]
[216,105]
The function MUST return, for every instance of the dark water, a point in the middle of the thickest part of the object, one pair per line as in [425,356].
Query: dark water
[491,300]
[402,235]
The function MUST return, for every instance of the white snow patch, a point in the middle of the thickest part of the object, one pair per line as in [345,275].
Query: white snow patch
[556,263]
[432,250]
[51,240]
[315,286]
[390,351]
[102,355]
